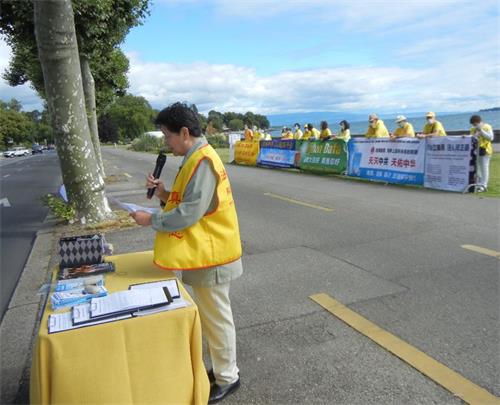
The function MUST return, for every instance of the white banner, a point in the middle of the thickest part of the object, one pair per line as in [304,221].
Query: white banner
[398,161]
[449,163]
[232,138]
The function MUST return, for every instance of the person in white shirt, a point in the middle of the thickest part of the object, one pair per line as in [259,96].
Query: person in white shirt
[484,134]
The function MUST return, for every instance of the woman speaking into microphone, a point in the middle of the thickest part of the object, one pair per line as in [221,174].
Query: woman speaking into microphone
[197,233]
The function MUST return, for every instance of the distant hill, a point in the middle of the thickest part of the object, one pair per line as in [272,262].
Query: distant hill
[490,109]
[333,117]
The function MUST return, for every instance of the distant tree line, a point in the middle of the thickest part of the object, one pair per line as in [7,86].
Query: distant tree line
[121,121]
[23,128]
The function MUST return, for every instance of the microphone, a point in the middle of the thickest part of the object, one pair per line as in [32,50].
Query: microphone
[160,162]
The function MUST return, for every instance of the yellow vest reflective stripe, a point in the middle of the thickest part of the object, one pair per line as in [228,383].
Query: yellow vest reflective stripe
[482,141]
[215,239]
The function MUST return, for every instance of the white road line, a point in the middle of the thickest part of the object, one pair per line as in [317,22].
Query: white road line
[6,175]
[4,202]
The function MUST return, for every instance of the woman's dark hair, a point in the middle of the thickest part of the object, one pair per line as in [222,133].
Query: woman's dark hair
[309,127]
[179,115]
[324,125]
[475,119]
[346,124]
[296,125]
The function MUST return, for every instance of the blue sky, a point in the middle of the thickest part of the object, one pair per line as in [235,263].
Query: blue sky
[273,56]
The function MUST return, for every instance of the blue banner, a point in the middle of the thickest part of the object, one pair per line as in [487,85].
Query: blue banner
[277,153]
[398,161]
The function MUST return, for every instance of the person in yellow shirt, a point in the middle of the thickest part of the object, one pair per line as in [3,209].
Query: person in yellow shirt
[286,134]
[248,134]
[404,129]
[257,134]
[314,133]
[298,133]
[307,134]
[377,128]
[433,127]
[345,132]
[325,133]
[484,134]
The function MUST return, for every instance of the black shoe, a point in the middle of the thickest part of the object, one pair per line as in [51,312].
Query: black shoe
[218,393]
[211,376]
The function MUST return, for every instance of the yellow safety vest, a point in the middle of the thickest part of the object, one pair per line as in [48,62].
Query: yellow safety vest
[483,142]
[215,239]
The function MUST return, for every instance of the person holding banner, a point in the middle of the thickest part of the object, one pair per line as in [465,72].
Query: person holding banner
[248,134]
[345,132]
[298,133]
[312,133]
[484,134]
[433,127]
[404,129]
[197,233]
[286,134]
[376,128]
[325,133]
[257,135]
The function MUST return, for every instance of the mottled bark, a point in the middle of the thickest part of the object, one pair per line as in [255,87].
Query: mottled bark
[58,53]
[89,93]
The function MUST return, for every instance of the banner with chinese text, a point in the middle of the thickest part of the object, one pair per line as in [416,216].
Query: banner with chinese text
[246,152]
[277,153]
[400,161]
[450,163]
[324,156]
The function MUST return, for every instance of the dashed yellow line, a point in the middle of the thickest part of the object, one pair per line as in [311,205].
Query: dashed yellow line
[303,203]
[482,250]
[444,376]
[127,175]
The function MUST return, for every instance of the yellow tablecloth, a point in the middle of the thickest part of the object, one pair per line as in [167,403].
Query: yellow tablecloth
[154,359]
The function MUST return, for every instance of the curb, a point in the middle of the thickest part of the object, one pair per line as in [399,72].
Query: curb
[21,320]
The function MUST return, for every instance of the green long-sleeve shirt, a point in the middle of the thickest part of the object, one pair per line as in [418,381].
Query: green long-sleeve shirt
[199,198]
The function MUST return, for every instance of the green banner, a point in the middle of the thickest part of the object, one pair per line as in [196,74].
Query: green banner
[324,156]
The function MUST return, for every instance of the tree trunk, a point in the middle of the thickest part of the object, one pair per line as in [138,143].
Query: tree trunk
[58,53]
[89,93]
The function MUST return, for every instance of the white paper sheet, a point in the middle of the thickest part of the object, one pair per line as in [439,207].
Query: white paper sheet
[62,322]
[130,207]
[172,286]
[126,300]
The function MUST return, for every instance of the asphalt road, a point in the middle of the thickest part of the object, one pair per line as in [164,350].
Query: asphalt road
[392,254]
[23,181]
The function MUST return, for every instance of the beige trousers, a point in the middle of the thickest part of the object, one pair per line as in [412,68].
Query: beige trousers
[218,329]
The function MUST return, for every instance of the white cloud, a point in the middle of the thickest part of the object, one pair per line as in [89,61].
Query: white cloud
[24,93]
[229,87]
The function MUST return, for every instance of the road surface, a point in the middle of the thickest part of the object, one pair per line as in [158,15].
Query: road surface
[24,180]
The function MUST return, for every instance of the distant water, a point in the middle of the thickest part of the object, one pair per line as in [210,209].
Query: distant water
[454,122]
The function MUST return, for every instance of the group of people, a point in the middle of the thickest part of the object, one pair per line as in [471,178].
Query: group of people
[479,129]
[377,129]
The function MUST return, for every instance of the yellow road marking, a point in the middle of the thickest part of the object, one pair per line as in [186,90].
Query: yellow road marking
[482,250]
[128,175]
[444,376]
[305,204]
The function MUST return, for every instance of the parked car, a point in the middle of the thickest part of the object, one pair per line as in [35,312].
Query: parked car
[36,149]
[17,151]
